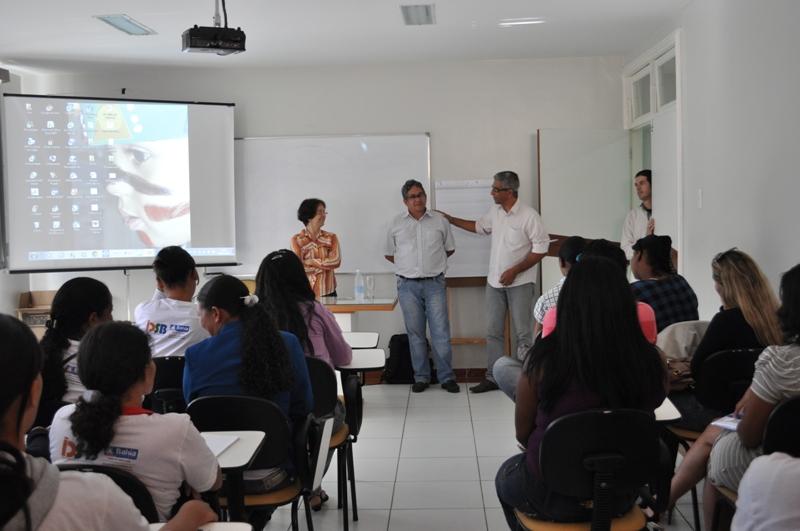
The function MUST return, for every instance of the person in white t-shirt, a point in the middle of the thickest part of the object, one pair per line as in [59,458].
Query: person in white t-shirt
[171,319]
[108,426]
[33,493]
[79,304]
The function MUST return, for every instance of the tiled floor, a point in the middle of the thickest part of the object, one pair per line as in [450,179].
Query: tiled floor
[428,461]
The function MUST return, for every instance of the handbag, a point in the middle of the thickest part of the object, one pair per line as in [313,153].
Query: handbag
[680,375]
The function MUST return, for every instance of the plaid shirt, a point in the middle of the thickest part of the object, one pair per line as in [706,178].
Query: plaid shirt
[547,301]
[672,299]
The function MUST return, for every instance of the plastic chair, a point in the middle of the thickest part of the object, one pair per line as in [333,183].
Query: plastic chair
[323,382]
[241,413]
[129,484]
[167,395]
[596,454]
[680,340]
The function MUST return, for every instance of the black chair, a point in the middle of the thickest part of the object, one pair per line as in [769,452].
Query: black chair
[323,382]
[129,484]
[597,454]
[720,383]
[243,413]
[167,395]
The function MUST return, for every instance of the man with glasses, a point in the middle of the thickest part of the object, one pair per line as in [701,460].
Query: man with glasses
[519,242]
[418,242]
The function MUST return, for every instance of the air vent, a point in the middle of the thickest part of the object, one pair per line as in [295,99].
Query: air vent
[418,15]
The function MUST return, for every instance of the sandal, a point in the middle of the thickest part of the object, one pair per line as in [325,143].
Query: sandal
[323,497]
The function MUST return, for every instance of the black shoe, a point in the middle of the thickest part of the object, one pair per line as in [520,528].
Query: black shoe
[451,386]
[418,387]
[486,385]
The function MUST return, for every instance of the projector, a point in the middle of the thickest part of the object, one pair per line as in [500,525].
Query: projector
[221,41]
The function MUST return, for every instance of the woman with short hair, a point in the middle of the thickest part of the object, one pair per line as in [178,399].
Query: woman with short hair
[317,249]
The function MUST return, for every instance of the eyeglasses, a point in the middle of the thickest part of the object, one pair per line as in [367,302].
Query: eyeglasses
[322,212]
[415,196]
[722,255]
[498,190]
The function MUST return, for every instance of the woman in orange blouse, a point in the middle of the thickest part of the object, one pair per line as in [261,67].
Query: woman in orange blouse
[316,248]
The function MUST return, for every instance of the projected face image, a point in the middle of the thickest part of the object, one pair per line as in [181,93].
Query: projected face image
[152,190]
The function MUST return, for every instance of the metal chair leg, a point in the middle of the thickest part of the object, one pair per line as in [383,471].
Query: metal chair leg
[352,474]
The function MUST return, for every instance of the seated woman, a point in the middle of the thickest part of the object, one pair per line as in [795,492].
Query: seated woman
[33,494]
[747,319]
[282,286]
[597,356]
[727,454]
[109,427]
[659,285]
[247,355]
[79,304]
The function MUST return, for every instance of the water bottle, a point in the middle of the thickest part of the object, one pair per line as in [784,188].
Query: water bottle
[359,286]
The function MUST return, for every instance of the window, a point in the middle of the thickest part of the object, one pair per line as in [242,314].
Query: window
[651,83]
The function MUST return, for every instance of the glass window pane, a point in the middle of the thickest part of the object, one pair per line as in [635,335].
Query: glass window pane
[667,86]
[641,96]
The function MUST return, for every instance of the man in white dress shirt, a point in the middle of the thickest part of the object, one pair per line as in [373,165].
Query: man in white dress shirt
[418,242]
[519,242]
[639,222]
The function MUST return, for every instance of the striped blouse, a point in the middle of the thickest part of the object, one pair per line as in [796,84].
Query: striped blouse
[320,257]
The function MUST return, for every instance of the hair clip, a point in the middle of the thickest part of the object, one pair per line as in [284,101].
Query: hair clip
[250,300]
[578,258]
[91,396]
[50,323]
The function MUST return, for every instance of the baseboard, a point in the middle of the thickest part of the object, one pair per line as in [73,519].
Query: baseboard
[462,376]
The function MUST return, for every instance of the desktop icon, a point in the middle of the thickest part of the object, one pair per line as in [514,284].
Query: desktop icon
[91,158]
[70,107]
[35,224]
[48,108]
[49,142]
[35,208]
[73,191]
[76,225]
[32,158]
[54,191]
[111,158]
[93,174]
[52,158]
[73,175]
[95,208]
[50,124]
[112,175]
[95,223]
[29,125]
[89,108]
[89,125]
[53,175]
[56,224]
[71,142]
[54,209]
[75,208]
[70,125]
[93,191]
[31,141]
[34,191]
[28,107]
[73,158]
[33,175]
[111,140]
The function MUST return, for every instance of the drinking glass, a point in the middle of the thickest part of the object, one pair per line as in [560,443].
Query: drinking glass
[369,287]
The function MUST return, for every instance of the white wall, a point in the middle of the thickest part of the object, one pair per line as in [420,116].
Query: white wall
[482,117]
[740,134]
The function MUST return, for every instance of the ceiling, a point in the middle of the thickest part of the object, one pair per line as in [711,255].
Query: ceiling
[59,36]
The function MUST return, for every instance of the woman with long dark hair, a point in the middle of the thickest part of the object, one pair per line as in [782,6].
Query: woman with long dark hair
[597,356]
[79,304]
[282,287]
[33,494]
[247,355]
[108,426]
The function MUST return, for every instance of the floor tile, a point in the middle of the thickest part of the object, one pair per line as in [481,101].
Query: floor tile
[444,519]
[446,429]
[386,389]
[496,446]
[490,399]
[496,520]
[395,414]
[370,494]
[385,400]
[490,495]
[436,397]
[682,519]
[381,429]
[438,413]
[489,465]
[370,448]
[368,520]
[370,469]
[438,469]
[493,428]
[506,414]
[437,495]
[438,447]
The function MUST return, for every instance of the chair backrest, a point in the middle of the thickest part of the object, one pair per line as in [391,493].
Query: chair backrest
[680,340]
[782,433]
[323,384]
[571,444]
[241,413]
[167,395]
[129,484]
[310,443]
[354,404]
[724,377]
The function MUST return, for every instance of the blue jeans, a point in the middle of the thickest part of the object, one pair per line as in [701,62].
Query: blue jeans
[421,301]
[517,300]
[506,373]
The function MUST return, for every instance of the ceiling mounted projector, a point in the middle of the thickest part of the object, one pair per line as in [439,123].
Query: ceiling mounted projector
[216,39]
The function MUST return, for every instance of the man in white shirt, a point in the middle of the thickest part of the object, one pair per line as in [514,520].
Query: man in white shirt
[639,222]
[171,319]
[519,242]
[418,242]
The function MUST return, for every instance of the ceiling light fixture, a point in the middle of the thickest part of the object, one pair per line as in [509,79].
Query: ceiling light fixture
[508,22]
[418,15]
[126,24]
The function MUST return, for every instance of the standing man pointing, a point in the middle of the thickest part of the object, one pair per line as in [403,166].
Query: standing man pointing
[519,242]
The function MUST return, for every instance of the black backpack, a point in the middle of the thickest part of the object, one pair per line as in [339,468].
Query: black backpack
[399,369]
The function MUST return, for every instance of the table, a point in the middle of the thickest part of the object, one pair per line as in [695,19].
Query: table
[364,360]
[233,461]
[213,526]
[667,412]
[360,340]
[343,308]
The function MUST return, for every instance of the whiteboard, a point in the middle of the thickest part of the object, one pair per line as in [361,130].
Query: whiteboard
[358,177]
[467,200]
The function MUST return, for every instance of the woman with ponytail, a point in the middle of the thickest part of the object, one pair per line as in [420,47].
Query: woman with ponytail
[108,426]
[79,304]
[34,496]
[247,355]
